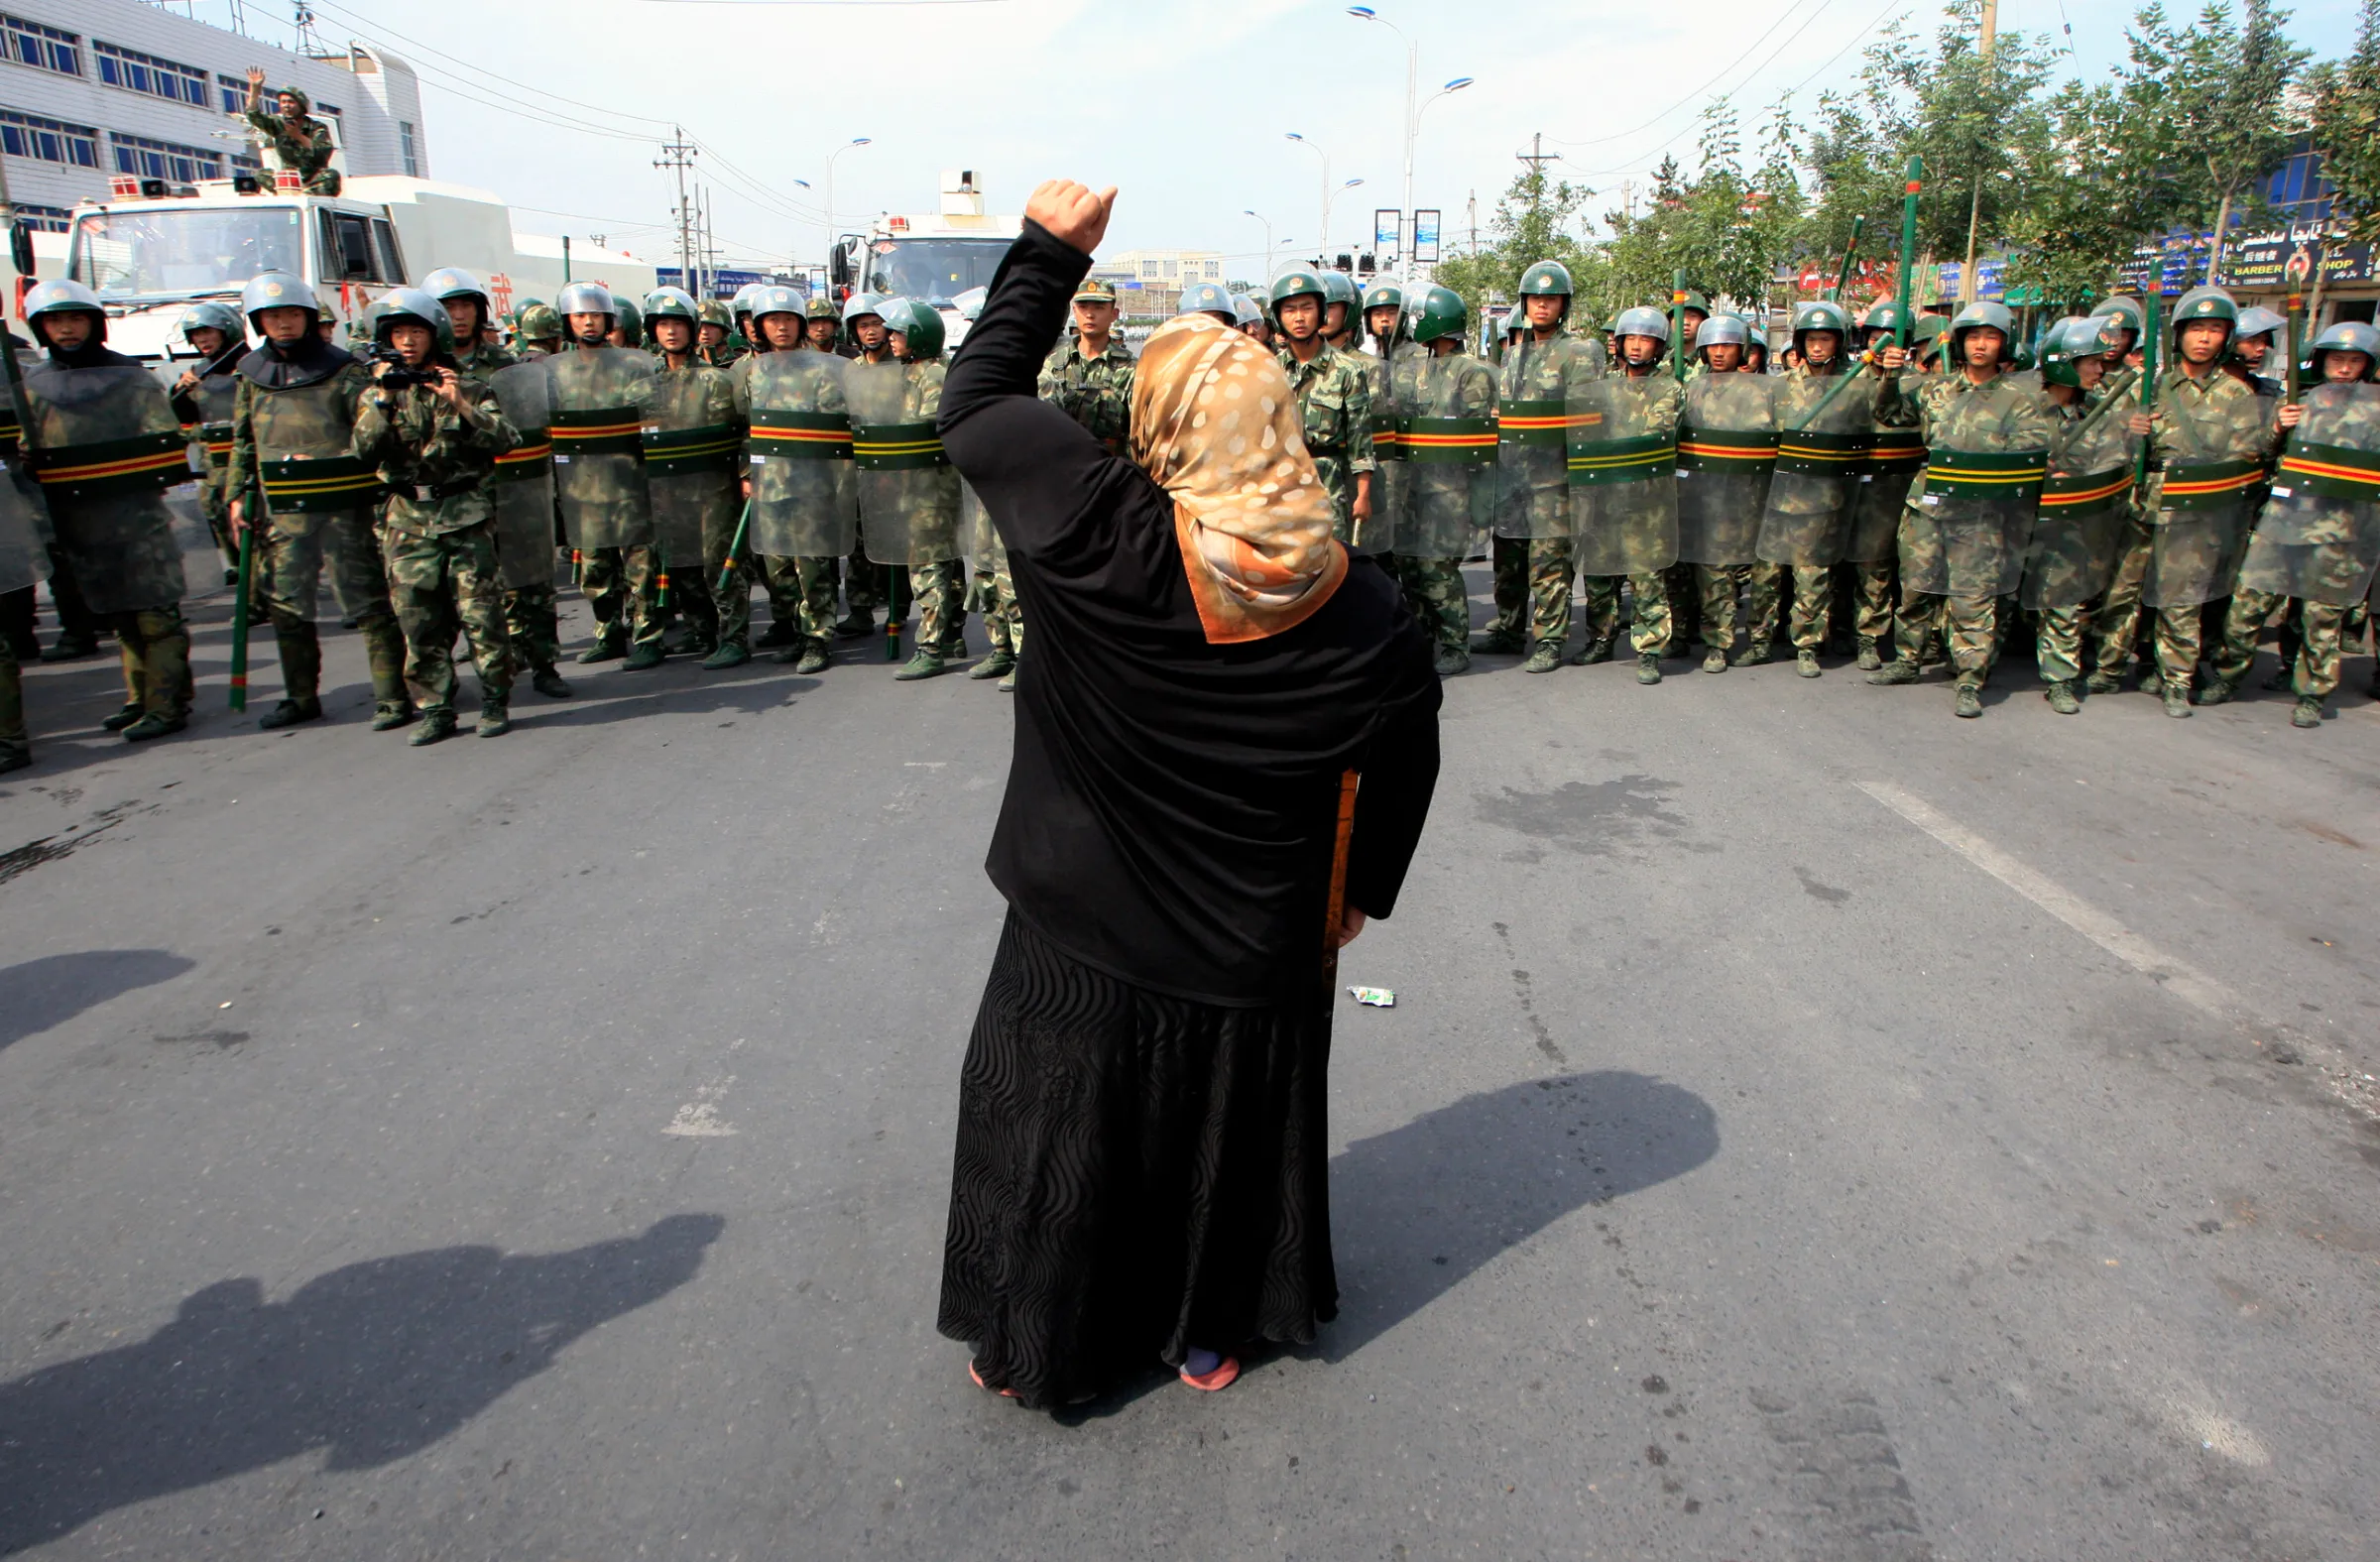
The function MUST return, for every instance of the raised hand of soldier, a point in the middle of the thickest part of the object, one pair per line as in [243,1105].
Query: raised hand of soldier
[1891,359]
[1072,214]
[2292,413]
[256,76]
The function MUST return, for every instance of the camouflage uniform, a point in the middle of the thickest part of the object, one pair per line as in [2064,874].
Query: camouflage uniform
[205,413]
[1429,556]
[2213,417]
[621,581]
[926,511]
[1812,585]
[275,436]
[312,157]
[485,359]
[2070,560]
[697,397]
[1651,627]
[801,588]
[1334,405]
[2001,416]
[1533,573]
[438,534]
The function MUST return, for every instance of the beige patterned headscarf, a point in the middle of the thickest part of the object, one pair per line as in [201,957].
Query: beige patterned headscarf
[1215,424]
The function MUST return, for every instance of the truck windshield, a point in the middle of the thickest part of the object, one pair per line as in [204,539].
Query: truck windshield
[134,254]
[935,269]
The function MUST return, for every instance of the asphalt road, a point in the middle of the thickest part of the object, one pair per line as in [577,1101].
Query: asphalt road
[1810,1127]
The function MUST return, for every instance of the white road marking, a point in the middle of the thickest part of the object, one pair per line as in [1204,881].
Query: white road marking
[2178,977]
[699,1118]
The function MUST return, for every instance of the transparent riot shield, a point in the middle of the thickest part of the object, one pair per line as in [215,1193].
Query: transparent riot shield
[693,462]
[909,492]
[1531,418]
[1982,481]
[305,460]
[2319,538]
[1822,445]
[1894,457]
[106,447]
[804,500]
[1448,407]
[600,397]
[1726,446]
[22,558]
[2200,524]
[2084,504]
[1377,535]
[522,485]
[1622,459]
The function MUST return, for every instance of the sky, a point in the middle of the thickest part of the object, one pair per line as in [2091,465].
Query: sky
[561,107]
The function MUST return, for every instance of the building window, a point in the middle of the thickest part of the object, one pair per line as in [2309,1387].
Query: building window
[332,109]
[404,139]
[1214,270]
[135,71]
[1149,270]
[45,219]
[1172,270]
[146,158]
[42,47]
[234,93]
[31,136]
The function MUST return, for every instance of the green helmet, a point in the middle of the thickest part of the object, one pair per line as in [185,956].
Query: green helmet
[669,303]
[540,322]
[1888,314]
[1927,328]
[2071,340]
[2257,321]
[2205,303]
[916,323]
[411,303]
[1383,294]
[273,289]
[631,320]
[1339,287]
[1298,282]
[741,304]
[1694,301]
[2348,336]
[821,308]
[1824,316]
[1435,312]
[210,313]
[714,311]
[2126,311]
[1546,276]
[453,281]
[1982,315]
[66,298]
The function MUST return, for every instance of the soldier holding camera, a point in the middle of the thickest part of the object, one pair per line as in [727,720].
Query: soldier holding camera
[434,434]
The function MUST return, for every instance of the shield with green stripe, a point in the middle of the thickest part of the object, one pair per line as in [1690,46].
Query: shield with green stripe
[1983,474]
[897,447]
[296,486]
[138,463]
[791,435]
[717,447]
[1450,442]
[598,430]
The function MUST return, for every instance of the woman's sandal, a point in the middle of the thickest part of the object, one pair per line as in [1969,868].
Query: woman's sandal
[1004,1393]
[1222,1376]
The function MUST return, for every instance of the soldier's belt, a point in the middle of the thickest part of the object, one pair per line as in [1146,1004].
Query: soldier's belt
[1985,474]
[604,431]
[1812,452]
[2331,470]
[1725,450]
[217,437]
[1630,460]
[531,458]
[896,447]
[1533,425]
[1450,442]
[715,447]
[1895,453]
[144,463]
[816,436]
[1388,439]
[2089,494]
[330,482]
[2207,485]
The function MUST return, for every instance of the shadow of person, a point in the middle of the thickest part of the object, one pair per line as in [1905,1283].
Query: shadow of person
[1417,1209]
[56,988]
[370,1363]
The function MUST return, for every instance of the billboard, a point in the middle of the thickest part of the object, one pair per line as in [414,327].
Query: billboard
[1425,235]
[1388,227]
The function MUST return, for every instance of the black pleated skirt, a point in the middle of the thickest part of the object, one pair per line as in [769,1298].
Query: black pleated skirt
[1135,1174]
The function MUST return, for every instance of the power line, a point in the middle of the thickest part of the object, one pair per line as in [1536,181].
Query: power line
[1698,93]
[467,65]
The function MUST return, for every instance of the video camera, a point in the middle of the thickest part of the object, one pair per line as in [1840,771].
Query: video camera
[400,375]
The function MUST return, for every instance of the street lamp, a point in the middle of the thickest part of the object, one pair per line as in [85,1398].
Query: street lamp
[1267,221]
[1326,209]
[856,141]
[1412,92]
[1326,181]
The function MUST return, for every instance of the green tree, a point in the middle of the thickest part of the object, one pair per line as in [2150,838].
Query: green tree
[1533,222]
[2344,123]
[2222,88]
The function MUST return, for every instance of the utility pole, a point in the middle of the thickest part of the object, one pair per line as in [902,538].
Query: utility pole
[1974,200]
[1537,157]
[1473,205]
[677,153]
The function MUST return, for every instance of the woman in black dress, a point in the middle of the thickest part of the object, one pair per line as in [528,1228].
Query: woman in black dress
[1143,1146]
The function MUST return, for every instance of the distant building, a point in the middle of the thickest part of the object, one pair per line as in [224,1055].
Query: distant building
[1150,281]
[90,88]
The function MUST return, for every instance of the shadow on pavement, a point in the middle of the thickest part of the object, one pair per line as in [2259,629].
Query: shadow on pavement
[371,1363]
[56,988]
[1419,1209]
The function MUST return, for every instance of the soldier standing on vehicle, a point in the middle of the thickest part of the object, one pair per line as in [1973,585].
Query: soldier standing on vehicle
[292,432]
[105,446]
[434,434]
[303,142]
